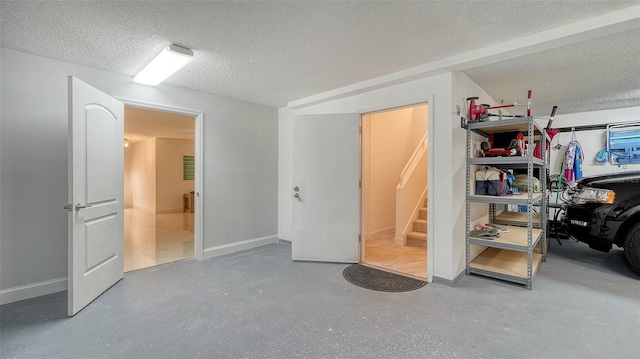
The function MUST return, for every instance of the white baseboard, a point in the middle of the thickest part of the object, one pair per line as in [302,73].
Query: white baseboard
[171,210]
[145,209]
[22,292]
[381,230]
[15,294]
[239,246]
[449,282]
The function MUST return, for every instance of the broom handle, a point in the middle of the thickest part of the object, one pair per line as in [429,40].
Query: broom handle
[553,114]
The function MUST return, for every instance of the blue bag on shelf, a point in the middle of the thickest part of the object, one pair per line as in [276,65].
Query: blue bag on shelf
[492,182]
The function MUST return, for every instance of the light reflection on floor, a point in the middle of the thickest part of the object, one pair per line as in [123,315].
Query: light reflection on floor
[151,239]
[381,252]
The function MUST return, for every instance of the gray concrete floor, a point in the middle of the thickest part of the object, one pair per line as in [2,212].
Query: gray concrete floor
[260,304]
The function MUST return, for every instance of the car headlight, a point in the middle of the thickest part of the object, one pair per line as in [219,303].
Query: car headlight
[594,195]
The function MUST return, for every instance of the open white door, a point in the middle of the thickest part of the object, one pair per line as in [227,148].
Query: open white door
[326,174]
[96,227]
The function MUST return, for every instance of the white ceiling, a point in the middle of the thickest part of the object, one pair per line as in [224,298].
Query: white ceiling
[592,75]
[272,53]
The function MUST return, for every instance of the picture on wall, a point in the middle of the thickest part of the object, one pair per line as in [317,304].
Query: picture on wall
[188,168]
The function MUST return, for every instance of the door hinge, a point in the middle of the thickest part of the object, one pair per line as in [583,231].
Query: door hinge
[359,238]
[360,184]
[360,130]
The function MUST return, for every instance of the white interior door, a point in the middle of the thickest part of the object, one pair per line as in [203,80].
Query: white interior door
[96,180]
[326,174]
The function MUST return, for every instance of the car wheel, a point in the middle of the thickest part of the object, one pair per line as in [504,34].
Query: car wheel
[632,247]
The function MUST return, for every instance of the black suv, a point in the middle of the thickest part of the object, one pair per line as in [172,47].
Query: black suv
[605,210]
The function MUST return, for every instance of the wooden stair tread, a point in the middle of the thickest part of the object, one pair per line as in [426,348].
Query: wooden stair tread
[417,235]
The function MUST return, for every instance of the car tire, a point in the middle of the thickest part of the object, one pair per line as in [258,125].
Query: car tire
[632,247]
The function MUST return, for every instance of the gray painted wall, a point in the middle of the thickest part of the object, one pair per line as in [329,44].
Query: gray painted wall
[240,162]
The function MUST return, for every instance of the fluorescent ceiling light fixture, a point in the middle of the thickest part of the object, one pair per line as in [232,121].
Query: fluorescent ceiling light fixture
[171,59]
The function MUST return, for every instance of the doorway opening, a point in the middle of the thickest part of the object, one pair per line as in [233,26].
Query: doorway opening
[159,187]
[394,163]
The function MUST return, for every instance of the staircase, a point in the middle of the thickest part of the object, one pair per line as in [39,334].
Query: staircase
[418,236]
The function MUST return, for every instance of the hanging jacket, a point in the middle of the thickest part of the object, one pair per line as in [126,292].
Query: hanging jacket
[577,162]
[573,159]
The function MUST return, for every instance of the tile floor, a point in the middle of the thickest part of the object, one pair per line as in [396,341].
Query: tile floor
[382,253]
[151,239]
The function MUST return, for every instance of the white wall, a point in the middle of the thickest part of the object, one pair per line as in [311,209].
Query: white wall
[627,114]
[170,185]
[128,195]
[240,164]
[440,147]
[153,174]
[140,173]
[593,140]
[463,88]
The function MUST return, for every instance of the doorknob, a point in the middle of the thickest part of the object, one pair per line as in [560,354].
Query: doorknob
[79,206]
[296,195]
[296,189]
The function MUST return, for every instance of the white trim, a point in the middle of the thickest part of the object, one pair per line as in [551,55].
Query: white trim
[431,178]
[158,107]
[583,30]
[143,209]
[410,100]
[380,230]
[171,210]
[33,290]
[449,282]
[198,233]
[198,239]
[239,246]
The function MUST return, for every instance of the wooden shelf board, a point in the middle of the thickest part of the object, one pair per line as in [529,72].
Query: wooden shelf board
[505,262]
[520,199]
[506,125]
[517,236]
[517,219]
[503,161]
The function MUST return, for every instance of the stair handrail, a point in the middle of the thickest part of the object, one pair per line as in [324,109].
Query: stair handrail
[413,161]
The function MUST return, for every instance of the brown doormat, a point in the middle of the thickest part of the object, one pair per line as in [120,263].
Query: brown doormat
[378,280]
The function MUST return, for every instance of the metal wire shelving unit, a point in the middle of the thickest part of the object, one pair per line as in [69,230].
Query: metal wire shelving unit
[516,255]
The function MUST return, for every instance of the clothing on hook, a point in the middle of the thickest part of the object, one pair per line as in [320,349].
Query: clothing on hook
[573,158]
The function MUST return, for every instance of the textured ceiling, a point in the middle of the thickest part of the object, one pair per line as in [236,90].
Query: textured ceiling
[591,75]
[275,52]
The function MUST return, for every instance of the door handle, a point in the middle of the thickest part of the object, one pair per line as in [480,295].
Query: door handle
[296,195]
[79,206]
